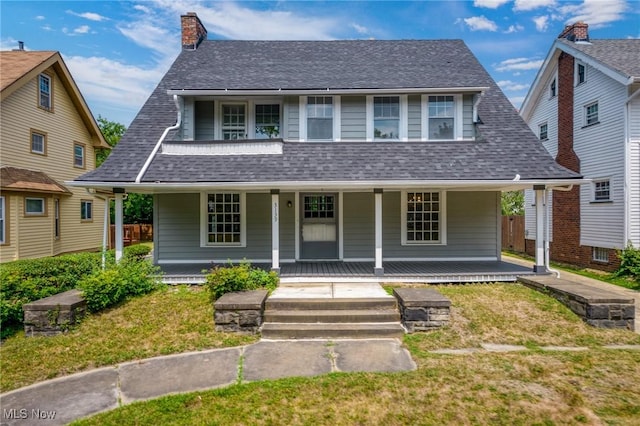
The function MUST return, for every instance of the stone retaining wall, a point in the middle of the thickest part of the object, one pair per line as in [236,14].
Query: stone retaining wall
[422,309]
[240,312]
[54,314]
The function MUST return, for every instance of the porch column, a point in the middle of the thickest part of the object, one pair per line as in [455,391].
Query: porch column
[539,266]
[379,270]
[119,193]
[275,230]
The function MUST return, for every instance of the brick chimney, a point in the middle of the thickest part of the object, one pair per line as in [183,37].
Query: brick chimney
[578,32]
[193,32]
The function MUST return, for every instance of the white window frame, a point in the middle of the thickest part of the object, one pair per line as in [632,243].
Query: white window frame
[49,95]
[252,118]
[579,64]
[41,212]
[553,88]
[442,220]
[219,112]
[403,126]
[546,131]
[204,240]
[598,254]
[44,142]
[302,113]
[594,184]
[86,210]
[3,219]
[458,126]
[586,114]
[83,164]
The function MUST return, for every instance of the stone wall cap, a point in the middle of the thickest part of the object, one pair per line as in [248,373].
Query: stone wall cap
[421,297]
[253,299]
[576,291]
[69,299]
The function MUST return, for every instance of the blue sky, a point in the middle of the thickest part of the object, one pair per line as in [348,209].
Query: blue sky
[118,51]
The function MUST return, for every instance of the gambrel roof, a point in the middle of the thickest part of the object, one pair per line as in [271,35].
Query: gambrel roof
[504,149]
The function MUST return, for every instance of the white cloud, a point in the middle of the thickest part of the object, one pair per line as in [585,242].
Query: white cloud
[141,8]
[542,22]
[39,18]
[514,29]
[518,64]
[512,86]
[525,5]
[490,4]
[480,23]
[360,29]
[516,101]
[9,43]
[46,27]
[596,13]
[89,15]
[83,29]
[150,34]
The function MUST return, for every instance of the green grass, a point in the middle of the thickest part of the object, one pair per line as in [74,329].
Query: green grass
[599,386]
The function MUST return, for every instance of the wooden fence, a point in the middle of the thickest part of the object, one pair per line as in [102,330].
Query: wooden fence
[132,234]
[513,233]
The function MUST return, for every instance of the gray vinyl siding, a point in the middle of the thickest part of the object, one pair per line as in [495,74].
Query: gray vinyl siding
[468,130]
[414,117]
[204,128]
[292,115]
[353,117]
[178,230]
[472,227]
[287,226]
[358,225]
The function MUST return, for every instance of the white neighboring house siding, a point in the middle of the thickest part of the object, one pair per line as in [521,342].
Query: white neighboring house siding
[600,148]
[545,111]
[634,171]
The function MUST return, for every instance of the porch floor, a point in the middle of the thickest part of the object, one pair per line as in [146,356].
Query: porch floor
[425,272]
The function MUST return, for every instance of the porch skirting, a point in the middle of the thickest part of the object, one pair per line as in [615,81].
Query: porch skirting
[394,271]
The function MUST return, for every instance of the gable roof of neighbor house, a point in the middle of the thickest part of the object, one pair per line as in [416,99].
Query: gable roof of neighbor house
[505,146]
[17,67]
[618,58]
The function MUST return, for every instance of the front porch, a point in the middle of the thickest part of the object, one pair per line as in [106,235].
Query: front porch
[394,271]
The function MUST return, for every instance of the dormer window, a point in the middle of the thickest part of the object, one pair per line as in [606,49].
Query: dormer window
[267,121]
[319,118]
[386,117]
[441,117]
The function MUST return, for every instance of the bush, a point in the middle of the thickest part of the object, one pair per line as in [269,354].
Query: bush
[629,263]
[138,251]
[131,277]
[221,280]
[25,281]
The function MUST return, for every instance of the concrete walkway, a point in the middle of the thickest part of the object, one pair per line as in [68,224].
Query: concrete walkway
[60,401]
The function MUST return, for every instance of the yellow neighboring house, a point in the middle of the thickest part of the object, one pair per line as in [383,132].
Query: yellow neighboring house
[47,136]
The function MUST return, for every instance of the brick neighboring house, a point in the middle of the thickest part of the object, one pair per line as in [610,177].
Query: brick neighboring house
[48,136]
[584,105]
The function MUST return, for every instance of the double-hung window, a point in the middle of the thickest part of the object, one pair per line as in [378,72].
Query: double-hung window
[224,219]
[267,121]
[553,88]
[86,210]
[78,155]
[38,142]
[56,218]
[3,220]
[441,117]
[423,217]
[319,118]
[581,73]
[543,132]
[44,91]
[386,117]
[234,121]
[591,114]
[602,190]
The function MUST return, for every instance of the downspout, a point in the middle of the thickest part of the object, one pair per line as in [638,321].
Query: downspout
[627,166]
[547,237]
[178,101]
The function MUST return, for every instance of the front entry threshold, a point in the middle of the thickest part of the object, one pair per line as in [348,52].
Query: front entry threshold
[329,290]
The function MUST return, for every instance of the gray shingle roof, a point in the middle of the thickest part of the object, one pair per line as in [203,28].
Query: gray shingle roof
[622,55]
[505,147]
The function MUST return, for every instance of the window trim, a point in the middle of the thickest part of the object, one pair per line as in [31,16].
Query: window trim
[403,123]
[458,125]
[4,220]
[252,118]
[443,219]
[594,183]
[219,130]
[83,203]
[44,141]
[302,123]
[595,251]
[39,92]
[553,88]
[579,64]
[585,119]
[84,155]
[42,213]
[546,131]
[204,220]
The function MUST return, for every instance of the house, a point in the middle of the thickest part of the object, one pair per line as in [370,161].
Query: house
[48,137]
[354,153]
[584,105]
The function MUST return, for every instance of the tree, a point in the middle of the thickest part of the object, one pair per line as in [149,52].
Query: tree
[512,203]
[137,208]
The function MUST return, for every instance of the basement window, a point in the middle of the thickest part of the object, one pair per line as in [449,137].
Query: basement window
[600,254]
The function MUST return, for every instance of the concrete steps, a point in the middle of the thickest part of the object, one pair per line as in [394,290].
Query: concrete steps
[308,318]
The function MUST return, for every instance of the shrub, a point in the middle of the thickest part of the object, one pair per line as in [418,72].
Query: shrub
[25,281]
[221,280]
[629,262]
[131,277]
[138,251]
